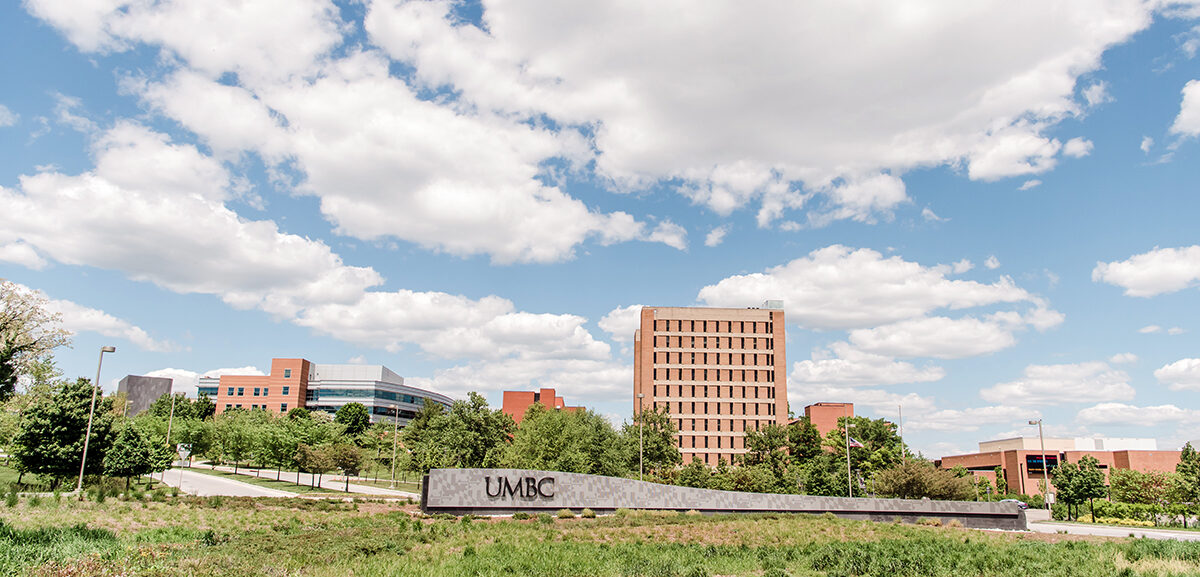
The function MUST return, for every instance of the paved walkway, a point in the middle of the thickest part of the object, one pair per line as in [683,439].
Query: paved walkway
[329,482]
[195,483]
[1109,531]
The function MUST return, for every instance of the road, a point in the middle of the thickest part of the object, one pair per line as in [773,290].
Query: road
[1106,531]
[204,485]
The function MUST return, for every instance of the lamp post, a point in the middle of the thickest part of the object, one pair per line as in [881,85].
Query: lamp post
[849,478]
[395,441]
[641,444]
[87,437]
[1045,465]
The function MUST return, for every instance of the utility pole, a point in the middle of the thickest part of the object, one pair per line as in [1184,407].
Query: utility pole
[849,479]
[1045,464]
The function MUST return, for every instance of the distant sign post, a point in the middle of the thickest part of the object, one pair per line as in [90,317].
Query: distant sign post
[185,451]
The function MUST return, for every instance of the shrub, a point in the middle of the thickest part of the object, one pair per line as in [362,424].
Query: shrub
[520,516]
[10,500]
[954,523]
[587,514]
[691,512]
[624,512]
[929,522]
[545,518]
[565,514]
[465,519]
[35,501]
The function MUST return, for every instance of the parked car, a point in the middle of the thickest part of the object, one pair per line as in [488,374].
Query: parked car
[1020,504]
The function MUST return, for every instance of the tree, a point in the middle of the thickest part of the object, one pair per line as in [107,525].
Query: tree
[569,441]
[51,439]
[1001,482]
[204,407]
[235,437]
[823,475]
[1066,480]
[880,444]
[28,332]
[1090,482]
[468,435]
[804,440]
[277,445]
[654,433]
[916,479]
[348,458]
[130,455]
[694,474]
[422,438]
[354,417]
[313,460]
[767,449]
[1188,479]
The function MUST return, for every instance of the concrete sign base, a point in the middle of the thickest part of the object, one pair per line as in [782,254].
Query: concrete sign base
[507,491]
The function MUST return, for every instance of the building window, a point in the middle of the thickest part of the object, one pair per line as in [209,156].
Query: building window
[241,392]
[237,406]
[228,406]
[287,373]
[230,393]
[256,389]
[285,391]
[283,408]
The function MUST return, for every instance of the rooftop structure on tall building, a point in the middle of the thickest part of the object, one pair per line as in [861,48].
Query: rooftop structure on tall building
[515,403]
[141,392]
[718,372]
[824,416]
[300,383]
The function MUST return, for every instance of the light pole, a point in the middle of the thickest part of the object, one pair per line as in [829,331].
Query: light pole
[849,478]
[641,444]
[395,441]
[87,437]
[170,420]
[1045,464]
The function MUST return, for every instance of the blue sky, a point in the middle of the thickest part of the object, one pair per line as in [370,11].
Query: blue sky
[982,211]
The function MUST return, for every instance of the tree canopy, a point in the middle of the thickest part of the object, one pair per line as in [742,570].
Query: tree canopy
[28,332]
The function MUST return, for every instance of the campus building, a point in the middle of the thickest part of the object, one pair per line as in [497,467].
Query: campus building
[515,403]
[824,416]
[141,392]
[718,372]
[300,383]
[1022,468]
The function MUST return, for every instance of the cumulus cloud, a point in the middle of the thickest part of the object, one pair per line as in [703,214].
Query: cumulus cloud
[1162,270]
[185,381]
[992,263]
[716,236]
[1097,94]
[1122,414]
[22,254]
[1078,147]
[7,117]
[1181,375]
[970,419]
[1146,145]
[1028,184]
[939,337]
[1123,358]
[842,288]
[1187,123]
[1150,329]
[928,214]
[878,400]
[670,234]
[845,366]
[621,322]
[1066,383]
[962,266]
[78,318]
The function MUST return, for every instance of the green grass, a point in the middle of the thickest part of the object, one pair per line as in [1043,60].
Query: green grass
[255,537]
[267,483]
[411,487]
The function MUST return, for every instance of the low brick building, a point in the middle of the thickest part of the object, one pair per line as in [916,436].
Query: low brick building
[515,403]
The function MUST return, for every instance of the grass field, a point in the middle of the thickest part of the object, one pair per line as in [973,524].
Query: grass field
[241,536]
[268,483]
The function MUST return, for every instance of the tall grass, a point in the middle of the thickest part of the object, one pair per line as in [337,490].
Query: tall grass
[23,548]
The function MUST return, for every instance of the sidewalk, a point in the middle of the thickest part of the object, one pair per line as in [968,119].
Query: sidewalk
[329,482]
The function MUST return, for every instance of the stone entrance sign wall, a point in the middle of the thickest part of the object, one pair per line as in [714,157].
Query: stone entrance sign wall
[506,491]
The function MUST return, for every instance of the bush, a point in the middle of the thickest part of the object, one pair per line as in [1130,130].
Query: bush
[929,522]
[587,514]
[10,500]
[565,514]
[545,518]
[520,516]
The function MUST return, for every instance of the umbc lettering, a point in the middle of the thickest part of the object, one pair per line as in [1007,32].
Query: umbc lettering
[524,487]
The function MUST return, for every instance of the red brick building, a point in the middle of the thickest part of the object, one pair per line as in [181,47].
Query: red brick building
[824,416]
[718,372]
[515,403]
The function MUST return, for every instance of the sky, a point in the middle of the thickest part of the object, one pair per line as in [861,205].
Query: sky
[981,212]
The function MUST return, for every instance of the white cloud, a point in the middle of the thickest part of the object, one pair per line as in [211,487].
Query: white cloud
[78,318]
[670,234]
[7,117]
[1097,94]
[1078,147]
[1123,358]
[585,379]
[992,263]
[1187,123]
[929,215]
[1176,331]
[970,419]
[185,381]
[1013,153]
[1122,414]
[962,266]
[716,236]
[842,288]
[621,322]
[850,367]
[1028,184]
[939,337]
[1066,383]
[1150,329]
[1181,375]
[1162,270]
[64,111]
[1146,145]
[880,401]
[22,254]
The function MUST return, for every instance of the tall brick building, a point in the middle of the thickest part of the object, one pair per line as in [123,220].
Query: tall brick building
[719,372]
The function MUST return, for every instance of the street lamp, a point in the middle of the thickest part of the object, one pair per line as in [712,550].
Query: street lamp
[91,413]
[1045,465]
[641,445]
[849,478]
[395,441]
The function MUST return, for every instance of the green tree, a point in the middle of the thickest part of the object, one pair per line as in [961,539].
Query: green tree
[161,407]
[916,479]
[1066,478]
[422,438]
[130,454]
[1188,480]
[767,449]
[204,407]
[235,436]
[655,437]
[694,474]
[824,475]
[1001,482]
[28,333]
[468,435]
[348,458]
[569,441]
[803,440]
[1089,484]
[51,439]
[277,445]
[880,444]
[314,460]
[354,417]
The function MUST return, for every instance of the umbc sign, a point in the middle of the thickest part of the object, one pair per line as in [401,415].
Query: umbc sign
[507,491]
[524,487]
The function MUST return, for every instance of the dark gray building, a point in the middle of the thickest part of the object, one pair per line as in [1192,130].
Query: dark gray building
[142,391]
